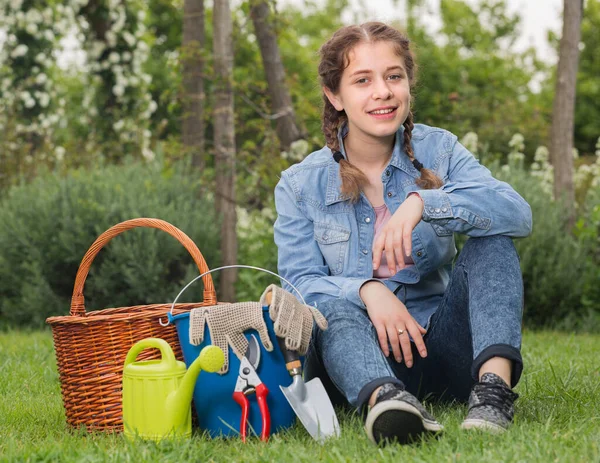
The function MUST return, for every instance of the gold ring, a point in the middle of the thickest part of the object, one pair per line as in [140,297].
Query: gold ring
[400,332]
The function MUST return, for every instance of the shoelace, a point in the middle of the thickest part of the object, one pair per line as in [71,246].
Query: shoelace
[496,395]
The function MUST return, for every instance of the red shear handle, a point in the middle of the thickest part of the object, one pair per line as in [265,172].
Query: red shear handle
[261,396]
[242,400]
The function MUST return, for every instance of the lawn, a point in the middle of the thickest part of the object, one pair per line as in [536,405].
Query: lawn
[557,419]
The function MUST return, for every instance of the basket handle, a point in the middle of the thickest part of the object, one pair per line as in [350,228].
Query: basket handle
[78,301]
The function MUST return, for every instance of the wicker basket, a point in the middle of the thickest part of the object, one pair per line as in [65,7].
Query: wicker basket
[91,347]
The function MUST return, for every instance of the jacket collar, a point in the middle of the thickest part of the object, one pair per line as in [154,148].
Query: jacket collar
[399,160]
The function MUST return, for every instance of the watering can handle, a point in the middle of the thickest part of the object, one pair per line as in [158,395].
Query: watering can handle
[166,352]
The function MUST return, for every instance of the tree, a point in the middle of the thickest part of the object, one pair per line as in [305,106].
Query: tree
[281,102]
[587,105]
[564,104]
[224,142]
[193,80]
[475,80]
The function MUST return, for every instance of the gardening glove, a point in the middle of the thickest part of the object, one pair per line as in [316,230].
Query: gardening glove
[226,325]
[292,320]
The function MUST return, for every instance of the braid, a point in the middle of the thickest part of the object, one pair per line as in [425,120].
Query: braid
[428,180]
[332,119]
[353,179]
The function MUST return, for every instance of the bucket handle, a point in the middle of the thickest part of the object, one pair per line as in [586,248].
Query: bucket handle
[221,268]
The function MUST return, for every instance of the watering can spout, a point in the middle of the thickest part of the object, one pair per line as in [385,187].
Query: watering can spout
[211,359]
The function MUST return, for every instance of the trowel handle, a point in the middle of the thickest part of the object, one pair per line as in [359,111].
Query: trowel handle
[291,357]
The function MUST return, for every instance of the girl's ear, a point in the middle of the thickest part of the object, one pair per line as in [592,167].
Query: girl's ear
[333,99]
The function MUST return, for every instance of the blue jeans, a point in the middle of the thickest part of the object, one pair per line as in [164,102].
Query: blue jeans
[479,318]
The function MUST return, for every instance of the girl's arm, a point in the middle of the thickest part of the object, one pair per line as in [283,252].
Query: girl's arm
[473,202]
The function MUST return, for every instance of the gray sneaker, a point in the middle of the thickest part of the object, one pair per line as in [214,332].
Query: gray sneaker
[398,416]
[491,405]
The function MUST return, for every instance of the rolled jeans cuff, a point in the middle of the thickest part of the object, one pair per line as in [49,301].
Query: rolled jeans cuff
[500,350]
[362,403]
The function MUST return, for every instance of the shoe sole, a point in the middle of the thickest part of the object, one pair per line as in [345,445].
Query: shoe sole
[482,425]
[396,420]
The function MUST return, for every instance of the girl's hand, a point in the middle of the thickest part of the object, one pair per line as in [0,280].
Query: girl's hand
[389,315]
[396,235]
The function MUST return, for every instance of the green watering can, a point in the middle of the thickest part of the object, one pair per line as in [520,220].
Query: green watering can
[157,394]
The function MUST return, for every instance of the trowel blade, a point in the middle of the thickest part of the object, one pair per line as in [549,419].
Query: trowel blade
[313,407]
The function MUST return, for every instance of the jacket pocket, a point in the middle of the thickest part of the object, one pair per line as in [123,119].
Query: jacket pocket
[333,241]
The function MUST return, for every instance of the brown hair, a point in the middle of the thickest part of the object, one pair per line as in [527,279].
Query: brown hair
[334,59]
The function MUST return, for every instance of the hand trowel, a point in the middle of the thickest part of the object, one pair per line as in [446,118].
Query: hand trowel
[309,400]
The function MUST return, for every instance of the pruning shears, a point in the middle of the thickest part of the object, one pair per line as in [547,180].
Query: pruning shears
[248,383]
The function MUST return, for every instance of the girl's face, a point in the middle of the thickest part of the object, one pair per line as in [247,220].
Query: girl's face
[374,91]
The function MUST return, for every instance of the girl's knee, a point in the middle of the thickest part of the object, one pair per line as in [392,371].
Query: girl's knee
[335,308]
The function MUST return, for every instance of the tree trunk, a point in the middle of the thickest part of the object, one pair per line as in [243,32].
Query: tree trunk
[281,102]
[564,105]
[224,143]
[193,83]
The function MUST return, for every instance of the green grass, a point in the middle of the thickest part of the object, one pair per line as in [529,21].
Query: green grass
[557,420]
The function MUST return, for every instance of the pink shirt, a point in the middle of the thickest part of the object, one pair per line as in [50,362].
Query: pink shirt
[382,216]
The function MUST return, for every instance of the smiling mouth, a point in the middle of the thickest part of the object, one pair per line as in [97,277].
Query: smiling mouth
[383,111]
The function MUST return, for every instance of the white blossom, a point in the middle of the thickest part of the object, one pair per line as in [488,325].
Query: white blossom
[31,28]
[16,4]
[59,152]
[20,50]
[129,38]
[41,78]
[470,141]
[148,154]
[44,99]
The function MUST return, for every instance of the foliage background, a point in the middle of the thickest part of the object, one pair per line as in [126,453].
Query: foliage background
[86,147]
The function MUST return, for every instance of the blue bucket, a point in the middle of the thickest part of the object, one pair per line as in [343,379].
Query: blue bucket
[217,412]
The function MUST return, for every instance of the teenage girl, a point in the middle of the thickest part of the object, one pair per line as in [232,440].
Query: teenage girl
[365,232]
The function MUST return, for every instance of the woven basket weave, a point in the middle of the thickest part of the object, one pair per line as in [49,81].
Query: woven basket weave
[91,347]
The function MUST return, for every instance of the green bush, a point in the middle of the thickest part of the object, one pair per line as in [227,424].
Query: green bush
[557,266]
[47,226]
[256,248]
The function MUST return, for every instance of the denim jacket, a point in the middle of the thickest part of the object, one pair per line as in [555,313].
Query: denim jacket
[324,241]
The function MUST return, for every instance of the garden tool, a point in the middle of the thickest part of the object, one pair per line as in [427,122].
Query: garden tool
[157,394]
[309,400]
[247,383]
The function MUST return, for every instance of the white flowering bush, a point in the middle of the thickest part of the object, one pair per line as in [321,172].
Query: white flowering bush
[560,269]
[118,100]
[102,109]
[32,104]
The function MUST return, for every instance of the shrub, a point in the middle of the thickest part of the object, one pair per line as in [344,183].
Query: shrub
[256,248]
[47,226]
[557,265]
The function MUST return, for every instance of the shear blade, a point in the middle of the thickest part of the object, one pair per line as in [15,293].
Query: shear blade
[253,351]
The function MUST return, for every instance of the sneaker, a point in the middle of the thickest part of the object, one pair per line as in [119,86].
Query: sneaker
[491,405]
[398,416]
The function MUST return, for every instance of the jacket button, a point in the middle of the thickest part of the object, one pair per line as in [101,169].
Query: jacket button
[419,253]
[365,251]
[390,194]
[368,219]
[444,209]
[387,172]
